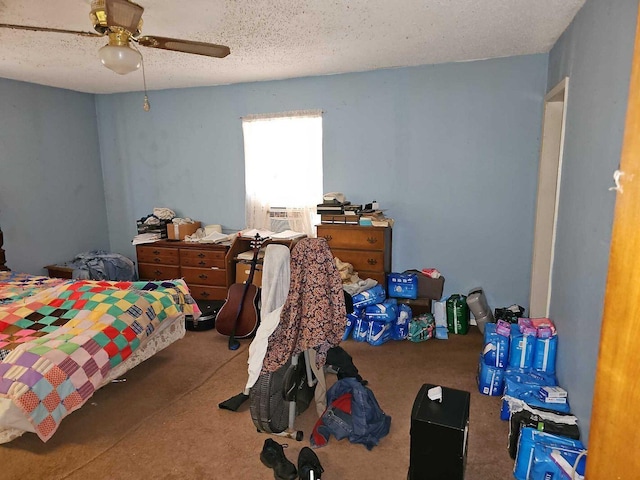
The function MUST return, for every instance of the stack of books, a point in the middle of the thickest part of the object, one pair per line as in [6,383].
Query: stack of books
[343,219]
[376,218]
[336,212]
[333,211]
[331,208]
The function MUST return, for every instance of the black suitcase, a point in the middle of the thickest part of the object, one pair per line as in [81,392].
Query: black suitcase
[439,435]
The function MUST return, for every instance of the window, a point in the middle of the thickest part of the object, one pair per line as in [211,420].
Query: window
[283,170]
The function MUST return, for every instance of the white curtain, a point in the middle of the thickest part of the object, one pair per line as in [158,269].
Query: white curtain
[283,168]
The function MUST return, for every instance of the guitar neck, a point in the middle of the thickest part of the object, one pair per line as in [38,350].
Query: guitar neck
[257,243]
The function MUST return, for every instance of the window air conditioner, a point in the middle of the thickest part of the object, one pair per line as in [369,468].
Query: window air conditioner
[280,218]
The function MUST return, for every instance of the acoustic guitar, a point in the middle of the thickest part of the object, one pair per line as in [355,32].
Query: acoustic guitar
[238,317]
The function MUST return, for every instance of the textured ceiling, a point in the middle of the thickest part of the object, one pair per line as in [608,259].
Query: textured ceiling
[276,39]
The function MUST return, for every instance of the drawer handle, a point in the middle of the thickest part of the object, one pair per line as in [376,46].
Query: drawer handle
[372,261]
[158,272]
[372,239]
[203,276]
[201,255]
[157,260]
[204,294]
[156,252]
[328,237]
[202,262]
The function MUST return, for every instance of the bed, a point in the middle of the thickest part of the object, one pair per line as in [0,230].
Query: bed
[61,340]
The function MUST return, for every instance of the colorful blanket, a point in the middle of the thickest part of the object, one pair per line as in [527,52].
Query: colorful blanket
[58,345]
[14,286]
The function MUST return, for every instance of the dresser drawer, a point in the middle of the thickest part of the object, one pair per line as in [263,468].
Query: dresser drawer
[158,272]
[201,292]
[202,258]
[151,254]
[362,260]
[204,276]
[359,238]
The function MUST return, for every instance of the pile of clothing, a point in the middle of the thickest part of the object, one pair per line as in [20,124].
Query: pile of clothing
[102,265]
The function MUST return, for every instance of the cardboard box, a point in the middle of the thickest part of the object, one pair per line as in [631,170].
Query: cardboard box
[552,392]
[178,232]
[243,270]
[418,306]
[428,287]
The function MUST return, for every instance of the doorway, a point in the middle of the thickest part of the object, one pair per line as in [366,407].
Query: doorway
[548,196]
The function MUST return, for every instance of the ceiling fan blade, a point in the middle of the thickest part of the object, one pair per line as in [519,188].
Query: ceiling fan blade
[186,46]
[47,29]
[123,14]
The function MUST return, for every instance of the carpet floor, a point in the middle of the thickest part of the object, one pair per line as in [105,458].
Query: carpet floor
[163,421]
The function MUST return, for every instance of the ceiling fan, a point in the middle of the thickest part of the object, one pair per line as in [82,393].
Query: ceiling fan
[121,20]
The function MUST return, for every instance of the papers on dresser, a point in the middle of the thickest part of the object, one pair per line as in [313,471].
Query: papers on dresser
[251,233]
[146,238]
[215,237]
[287,235]
[264,234]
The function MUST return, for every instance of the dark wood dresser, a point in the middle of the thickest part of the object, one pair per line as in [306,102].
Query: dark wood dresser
[368,249]
[203,266]
[3,267]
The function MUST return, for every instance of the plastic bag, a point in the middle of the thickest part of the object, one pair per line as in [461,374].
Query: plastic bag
[421,327]
[403,285]
[509,314]
[375,294]
[458,314]
[534,460]
[386,311]
[351,321]
[400,328]
[379,332]
[495,352]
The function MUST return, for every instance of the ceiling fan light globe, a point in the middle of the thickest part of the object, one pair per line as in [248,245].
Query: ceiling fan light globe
[120,59]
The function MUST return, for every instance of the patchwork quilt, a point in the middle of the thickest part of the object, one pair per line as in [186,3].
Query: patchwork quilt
[57,345]
[14,286]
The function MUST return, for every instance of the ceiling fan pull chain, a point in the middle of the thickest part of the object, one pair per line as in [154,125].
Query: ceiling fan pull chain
[145,105]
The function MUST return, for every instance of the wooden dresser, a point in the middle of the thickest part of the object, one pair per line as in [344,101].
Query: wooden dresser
[203,266]
[368,249]
[2,259]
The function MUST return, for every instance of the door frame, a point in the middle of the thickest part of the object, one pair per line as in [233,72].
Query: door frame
[548,198]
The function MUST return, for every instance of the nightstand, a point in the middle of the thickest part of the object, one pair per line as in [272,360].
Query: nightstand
[59,271]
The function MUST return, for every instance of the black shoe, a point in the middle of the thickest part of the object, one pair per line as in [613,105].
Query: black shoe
[272,456]
[308,462]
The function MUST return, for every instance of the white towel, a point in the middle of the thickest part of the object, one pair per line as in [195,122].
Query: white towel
[276,276]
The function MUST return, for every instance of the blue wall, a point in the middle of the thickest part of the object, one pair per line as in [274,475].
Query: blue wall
[595,53]
[51,192]
[451,151]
